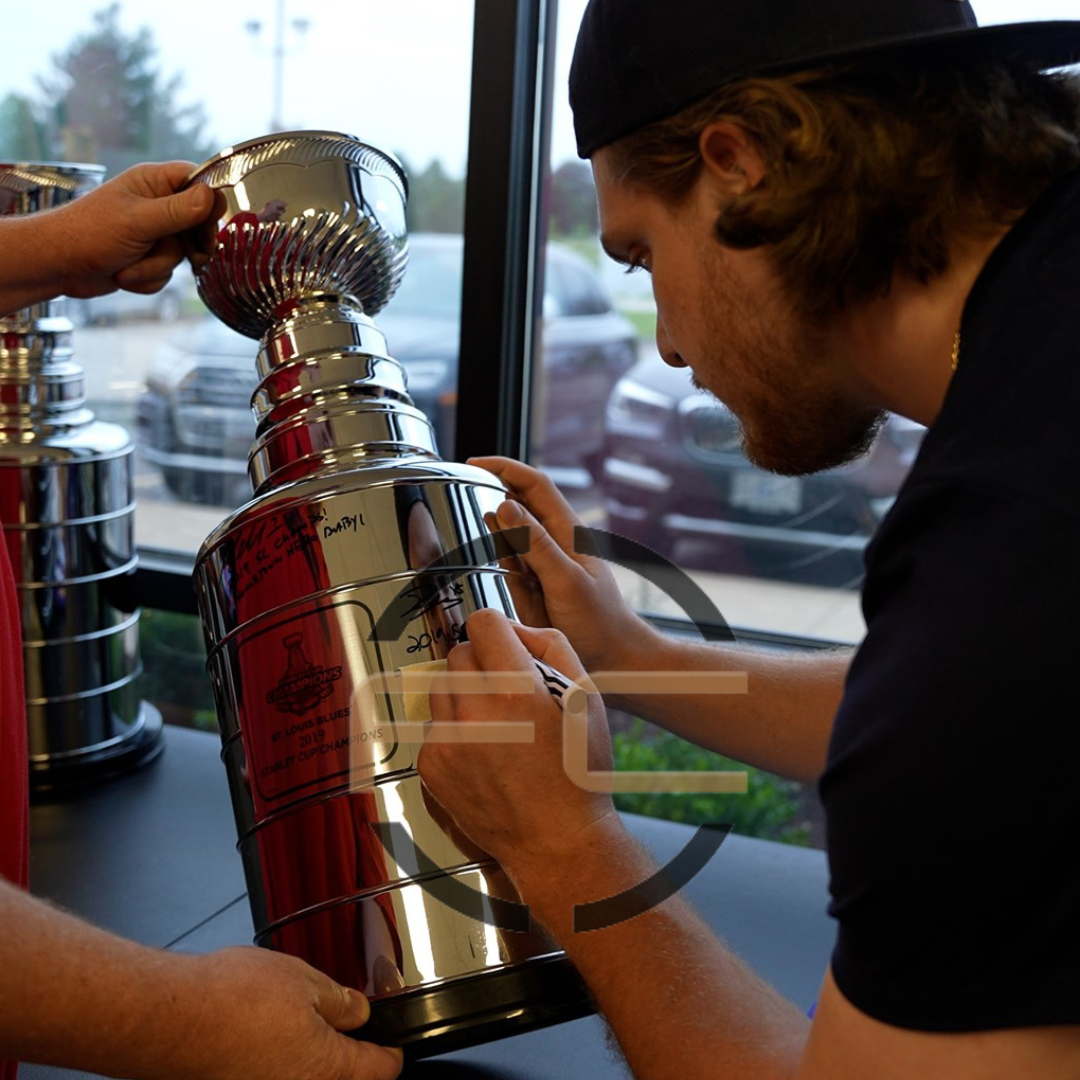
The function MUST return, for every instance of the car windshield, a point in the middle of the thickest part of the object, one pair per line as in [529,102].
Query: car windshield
[432,282]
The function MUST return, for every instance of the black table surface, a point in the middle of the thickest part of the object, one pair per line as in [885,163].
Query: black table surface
[152,856]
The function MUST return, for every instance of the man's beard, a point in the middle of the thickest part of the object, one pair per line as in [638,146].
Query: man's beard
[810,439]
[793,416]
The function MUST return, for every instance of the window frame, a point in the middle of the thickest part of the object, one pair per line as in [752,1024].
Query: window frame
[506,225]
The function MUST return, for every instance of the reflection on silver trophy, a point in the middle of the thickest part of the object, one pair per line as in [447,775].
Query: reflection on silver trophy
[362,554]
[67,505]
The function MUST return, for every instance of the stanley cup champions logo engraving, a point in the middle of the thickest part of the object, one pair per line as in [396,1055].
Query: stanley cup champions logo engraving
[304,684]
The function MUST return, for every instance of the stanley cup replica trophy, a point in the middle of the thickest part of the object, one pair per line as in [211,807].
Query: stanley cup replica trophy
[67,508]
[361,554]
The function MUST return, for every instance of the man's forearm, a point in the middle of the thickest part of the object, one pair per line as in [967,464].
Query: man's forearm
[779,719]
[31,257]
[681,1005]
[75,995]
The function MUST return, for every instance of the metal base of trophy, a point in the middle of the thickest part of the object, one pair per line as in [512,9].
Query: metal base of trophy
[59,776]
[469,1011]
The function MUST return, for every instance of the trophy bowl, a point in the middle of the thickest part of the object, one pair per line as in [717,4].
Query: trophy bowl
[299,215]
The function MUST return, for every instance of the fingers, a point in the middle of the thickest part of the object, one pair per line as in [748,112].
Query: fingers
[498,644]
[149,275]
[371,1062]
[342,1008]
[155,201]
[539,504]
[543,554]
[492,645]
[554,650]
[126,233]
[152,272]
[345,1009]
[158,220]
[170,214]
[152,180]
[531,487]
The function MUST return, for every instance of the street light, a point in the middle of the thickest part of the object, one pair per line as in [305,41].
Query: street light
[299,27]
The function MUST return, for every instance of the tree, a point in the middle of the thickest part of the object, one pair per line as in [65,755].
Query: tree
[573,200]
[22,135]
[108,101]
[436,200]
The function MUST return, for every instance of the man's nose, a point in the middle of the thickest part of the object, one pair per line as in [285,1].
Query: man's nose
[667,351]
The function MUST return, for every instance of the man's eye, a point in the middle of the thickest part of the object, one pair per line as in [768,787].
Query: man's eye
[634,267]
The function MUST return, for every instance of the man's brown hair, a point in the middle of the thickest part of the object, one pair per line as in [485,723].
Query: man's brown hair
[872,170]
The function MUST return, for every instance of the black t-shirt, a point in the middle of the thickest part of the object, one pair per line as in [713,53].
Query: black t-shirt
[952,790]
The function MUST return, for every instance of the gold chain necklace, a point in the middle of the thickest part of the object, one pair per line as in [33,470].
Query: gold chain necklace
[956,351]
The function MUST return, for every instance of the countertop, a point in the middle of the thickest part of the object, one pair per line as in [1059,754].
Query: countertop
[152,856]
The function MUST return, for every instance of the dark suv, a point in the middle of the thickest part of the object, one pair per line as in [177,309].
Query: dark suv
[195,423]
[675,478]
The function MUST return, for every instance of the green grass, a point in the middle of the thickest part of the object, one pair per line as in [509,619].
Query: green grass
[174,673]
[771,808]
[644,322]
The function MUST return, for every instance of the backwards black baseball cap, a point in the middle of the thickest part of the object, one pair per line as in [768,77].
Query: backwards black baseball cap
[638,61]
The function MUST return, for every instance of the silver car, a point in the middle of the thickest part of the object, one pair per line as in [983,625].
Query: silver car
[195,422]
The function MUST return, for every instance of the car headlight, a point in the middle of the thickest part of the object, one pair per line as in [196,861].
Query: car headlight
[169,369]
[709,428]
[636,407]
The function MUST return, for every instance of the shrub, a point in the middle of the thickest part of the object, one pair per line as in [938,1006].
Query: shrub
[771,807]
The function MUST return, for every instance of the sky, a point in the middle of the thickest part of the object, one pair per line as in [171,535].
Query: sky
[394,73]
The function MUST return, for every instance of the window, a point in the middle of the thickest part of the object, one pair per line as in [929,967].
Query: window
[783,554]
[117,83]
[637,450]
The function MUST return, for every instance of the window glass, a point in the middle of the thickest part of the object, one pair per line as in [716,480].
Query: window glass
[636,448]
[666,469]
[120,83]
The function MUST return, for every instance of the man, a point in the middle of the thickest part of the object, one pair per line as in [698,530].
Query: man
[846,208]
[71,994]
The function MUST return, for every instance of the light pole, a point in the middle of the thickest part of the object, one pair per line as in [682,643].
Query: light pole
[277,52]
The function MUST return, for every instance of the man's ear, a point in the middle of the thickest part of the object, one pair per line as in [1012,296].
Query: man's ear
[731,156]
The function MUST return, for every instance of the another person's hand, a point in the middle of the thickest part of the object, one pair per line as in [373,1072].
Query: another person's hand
[122,234]
[558,587]
[266,1014]
[516,800]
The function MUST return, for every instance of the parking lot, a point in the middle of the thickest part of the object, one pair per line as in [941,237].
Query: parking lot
[115,361]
